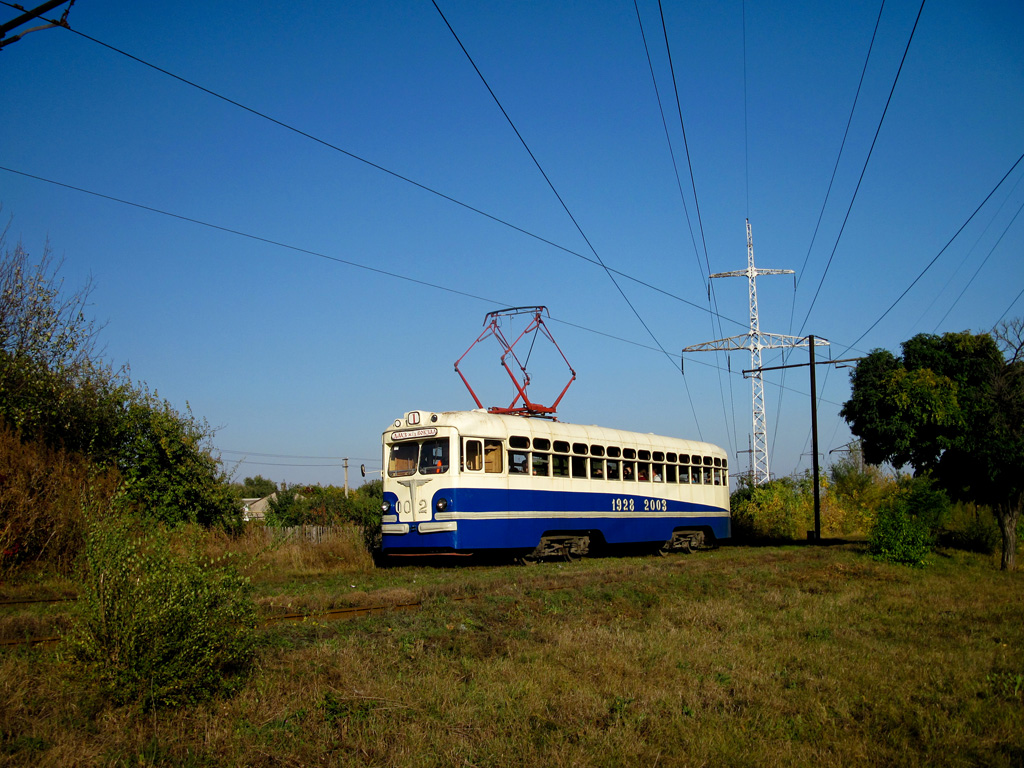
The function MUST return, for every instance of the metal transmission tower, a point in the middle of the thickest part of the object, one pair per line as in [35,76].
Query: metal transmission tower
[755,341]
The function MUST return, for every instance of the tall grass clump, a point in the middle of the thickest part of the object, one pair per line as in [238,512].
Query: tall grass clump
[908,522]
[158,623]
[45,494]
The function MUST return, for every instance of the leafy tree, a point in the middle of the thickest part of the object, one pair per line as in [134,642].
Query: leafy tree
[255,487]
[951,405]
[55,389]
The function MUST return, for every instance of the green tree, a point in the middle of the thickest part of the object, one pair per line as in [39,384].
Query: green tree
[951,405]
[256,487]
[56,389]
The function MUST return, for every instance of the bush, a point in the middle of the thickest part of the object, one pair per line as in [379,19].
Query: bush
[46,493]
[777,510]
[160,624]
[908,522]
[318,505]
[971,528]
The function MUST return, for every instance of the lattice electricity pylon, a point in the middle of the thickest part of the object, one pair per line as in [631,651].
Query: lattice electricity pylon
[521,403]
[755,341]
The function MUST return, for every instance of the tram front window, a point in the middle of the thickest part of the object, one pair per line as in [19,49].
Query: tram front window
[434,457]
[403,459]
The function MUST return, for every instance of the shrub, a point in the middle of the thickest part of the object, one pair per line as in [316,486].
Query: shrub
[971,528]
[160,624]
[46,492]
[776,510]
[908,522]
[318,505]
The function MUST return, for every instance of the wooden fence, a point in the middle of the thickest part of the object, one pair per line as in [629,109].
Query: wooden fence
[311,533]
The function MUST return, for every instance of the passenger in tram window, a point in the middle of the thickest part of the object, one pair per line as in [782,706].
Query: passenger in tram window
[517,462]
[613,469]
[627,470]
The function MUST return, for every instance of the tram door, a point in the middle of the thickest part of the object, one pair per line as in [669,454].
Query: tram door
[417,468]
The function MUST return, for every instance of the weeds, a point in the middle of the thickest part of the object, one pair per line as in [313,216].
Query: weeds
[742,656]
[159,626]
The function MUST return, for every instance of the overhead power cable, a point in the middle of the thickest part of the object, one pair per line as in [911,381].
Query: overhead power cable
[712,296]
[393,174]
[936,257]
[292,456]
[867,160]
[336,259]
[1007,310]
[842,146]
[547,179]
[671,150]
[980,266]
[824,204]
[679,186]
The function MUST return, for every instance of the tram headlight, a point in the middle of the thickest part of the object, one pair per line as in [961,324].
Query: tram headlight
[441,505]
[385,507]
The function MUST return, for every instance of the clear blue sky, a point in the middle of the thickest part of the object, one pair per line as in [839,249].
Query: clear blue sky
[296,355]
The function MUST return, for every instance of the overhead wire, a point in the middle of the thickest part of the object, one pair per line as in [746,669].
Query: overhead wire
[828,192]
[712,297]
[867,160]
[679,184]
[980,266]
[931,263]
[327,257]
[543,173]
[383,169]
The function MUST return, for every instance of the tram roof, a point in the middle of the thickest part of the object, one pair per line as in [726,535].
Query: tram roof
[484,424]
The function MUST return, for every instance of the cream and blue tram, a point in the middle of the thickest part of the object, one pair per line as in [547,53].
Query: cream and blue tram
[471,481]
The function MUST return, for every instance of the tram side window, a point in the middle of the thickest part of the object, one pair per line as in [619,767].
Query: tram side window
[402,460]
[492,456]
[579,466]
[560,465]
[434,457]
[474,456]
[613,469]
[718,476]
[518,461]
[628,471]
[707,475]
[597,469]
[670,473]
[695,475]
[643,470]
[541,464]
[658,473]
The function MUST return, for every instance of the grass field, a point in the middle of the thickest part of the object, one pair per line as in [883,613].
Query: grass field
[740,656]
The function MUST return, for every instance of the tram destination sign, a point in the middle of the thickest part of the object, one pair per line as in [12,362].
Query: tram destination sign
[410,434]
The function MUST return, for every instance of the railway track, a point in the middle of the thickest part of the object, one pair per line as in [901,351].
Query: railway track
[329,614]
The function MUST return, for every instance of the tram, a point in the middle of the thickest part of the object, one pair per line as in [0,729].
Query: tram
[463,482]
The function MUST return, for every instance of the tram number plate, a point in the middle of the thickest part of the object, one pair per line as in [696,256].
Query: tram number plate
[620,504]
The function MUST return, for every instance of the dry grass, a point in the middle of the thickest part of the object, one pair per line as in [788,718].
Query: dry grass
[742,656]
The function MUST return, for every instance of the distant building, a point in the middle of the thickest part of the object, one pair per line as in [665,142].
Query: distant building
[256,509]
